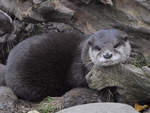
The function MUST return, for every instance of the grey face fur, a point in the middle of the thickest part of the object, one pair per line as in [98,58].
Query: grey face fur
[109,47]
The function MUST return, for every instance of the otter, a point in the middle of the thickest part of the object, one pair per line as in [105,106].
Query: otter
[53,63]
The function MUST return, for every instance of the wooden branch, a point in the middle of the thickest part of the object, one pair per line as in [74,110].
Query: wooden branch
[133,83]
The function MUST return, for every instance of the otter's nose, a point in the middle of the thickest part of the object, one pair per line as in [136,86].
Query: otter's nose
[107,55]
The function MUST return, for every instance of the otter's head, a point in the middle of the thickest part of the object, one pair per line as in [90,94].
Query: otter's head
[108,47]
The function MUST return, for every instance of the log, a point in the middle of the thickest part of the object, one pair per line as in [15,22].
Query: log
[132,83]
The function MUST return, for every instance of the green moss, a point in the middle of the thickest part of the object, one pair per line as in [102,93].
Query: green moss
[148,61]
[142,61]
[36,30]
[49,105]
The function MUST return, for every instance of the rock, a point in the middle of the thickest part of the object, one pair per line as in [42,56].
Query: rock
[34,111]
[141,9]
[78,96]
[54,11]
[86,1]
[107,2]
[132,83]
[9,103]
[2,79]
[146,70]
[38,1]
[7,100]
[6,94]
[51,104]
[40,11]
[100,108]
[6,27]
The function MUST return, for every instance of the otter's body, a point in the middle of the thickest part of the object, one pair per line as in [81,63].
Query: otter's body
[53,63]
[39,66]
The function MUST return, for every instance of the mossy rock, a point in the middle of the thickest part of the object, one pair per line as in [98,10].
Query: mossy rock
[51,105]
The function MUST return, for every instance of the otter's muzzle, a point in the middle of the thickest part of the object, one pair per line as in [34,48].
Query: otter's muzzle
[107,55]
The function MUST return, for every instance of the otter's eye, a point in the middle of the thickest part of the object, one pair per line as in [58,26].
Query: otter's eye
[97,48]
[125,38]
[117,45]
